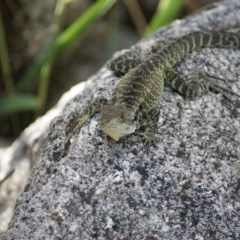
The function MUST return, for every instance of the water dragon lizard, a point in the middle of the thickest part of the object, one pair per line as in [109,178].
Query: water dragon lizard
[134,100]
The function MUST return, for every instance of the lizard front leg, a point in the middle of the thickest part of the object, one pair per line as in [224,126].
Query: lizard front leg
[148,125]
[124,63]
[132,58]
[76,124]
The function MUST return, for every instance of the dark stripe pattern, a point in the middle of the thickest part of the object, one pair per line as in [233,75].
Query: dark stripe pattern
[142,87]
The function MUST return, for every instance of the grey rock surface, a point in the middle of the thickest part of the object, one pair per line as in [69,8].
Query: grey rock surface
[185,188]
[16,161]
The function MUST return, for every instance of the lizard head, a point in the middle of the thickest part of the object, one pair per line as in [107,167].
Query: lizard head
[116,121]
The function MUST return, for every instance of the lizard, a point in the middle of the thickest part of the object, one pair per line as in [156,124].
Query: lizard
[134,101]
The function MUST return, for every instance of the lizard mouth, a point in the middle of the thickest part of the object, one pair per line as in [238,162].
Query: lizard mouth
[115,136]
[116,132]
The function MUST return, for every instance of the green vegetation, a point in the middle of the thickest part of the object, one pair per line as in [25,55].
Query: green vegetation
[167,11]
[16,100]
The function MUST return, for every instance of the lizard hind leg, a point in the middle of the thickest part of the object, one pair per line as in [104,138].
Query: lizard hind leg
[189,87]
[196,81]
[210,82]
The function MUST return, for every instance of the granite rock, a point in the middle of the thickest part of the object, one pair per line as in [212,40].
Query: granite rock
[188,187]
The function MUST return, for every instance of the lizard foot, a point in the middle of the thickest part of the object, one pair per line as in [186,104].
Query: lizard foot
[149,139]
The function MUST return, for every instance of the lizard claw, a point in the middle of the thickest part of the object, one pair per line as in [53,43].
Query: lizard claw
[148,139]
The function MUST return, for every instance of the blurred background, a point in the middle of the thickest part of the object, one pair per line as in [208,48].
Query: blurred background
[48,46]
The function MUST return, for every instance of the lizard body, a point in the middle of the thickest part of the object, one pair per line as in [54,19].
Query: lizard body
[133,104]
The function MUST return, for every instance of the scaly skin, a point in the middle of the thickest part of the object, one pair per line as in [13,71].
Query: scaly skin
[136,96]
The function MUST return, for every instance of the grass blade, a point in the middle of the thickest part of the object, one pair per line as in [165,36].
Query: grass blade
[68,37]
[167,11]
[16,103]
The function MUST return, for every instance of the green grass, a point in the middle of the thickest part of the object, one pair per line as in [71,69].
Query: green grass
[16,100]
[167,11]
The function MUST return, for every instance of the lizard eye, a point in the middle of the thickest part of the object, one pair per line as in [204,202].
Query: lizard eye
[121,117]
